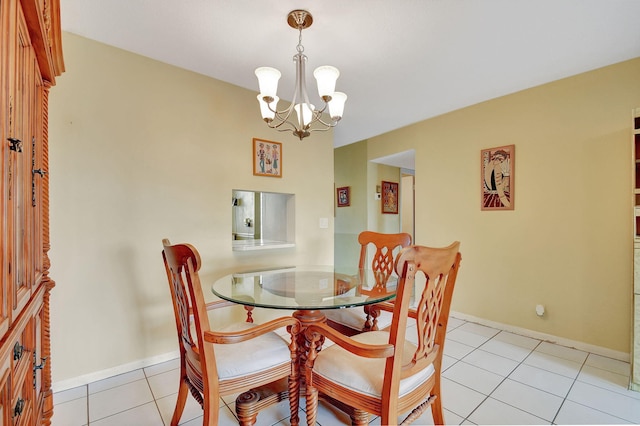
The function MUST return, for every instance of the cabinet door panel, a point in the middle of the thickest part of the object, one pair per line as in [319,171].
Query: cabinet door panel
[22,222]
[7,76]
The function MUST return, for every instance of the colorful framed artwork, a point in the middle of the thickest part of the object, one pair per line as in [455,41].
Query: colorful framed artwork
[497,168]
[343,196]
[267,158]
[389,197]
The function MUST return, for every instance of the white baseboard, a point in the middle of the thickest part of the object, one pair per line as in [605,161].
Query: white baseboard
[609,353]
[120,369]
[125,368]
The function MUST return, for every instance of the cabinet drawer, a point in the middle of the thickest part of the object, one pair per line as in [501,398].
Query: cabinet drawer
[22,399]
[5,392]
[22,348]
[20,355]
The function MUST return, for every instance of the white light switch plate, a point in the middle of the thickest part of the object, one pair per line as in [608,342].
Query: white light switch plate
[324,222]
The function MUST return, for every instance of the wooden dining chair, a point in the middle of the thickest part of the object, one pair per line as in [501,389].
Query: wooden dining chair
[351,321]
[381,372]
[243,357]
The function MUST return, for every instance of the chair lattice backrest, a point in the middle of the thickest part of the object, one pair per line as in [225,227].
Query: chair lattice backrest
[383,259]
[182,263]
[175,262]
[439,266]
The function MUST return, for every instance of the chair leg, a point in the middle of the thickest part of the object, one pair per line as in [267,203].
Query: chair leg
[436,411]
[312,405]
[247,421]
[436,394]
[371,322]
[211,408]
[294,400]
[183,393]
[249,310]
[359,417]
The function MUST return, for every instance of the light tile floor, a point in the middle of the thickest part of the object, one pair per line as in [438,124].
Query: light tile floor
[489,377]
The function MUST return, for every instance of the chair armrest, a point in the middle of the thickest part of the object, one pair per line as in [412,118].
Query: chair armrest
[384,306]
[213,305]
[347,343]
[255,331]
[218,304]
[387,306]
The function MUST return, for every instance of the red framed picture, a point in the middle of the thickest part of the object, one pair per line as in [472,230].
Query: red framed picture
[343,196]
[390,197]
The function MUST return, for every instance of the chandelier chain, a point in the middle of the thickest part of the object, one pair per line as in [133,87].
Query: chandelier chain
[300,47]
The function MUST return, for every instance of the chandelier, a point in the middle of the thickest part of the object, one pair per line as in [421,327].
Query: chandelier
[307,118]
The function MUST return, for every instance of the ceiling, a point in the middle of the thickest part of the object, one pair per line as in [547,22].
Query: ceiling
[401,61]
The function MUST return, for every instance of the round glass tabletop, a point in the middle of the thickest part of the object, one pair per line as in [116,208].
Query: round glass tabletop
[305,288]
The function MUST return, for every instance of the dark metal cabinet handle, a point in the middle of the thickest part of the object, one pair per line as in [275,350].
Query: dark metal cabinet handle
[17,410]
[18,350]
[15,144]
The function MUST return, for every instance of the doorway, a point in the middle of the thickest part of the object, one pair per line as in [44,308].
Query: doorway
[405,161]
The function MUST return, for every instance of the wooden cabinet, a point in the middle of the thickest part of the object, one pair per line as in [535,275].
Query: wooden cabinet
[30,59]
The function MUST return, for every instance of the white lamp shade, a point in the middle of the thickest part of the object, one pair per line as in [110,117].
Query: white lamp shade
[326,76]
[268,80]
[336,105]
[307,112]
[264,107]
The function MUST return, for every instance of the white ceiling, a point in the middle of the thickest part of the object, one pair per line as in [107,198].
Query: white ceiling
[401,61]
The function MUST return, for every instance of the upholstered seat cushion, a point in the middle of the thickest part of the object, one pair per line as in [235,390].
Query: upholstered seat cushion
[251,356]
[365,375]
[355,317]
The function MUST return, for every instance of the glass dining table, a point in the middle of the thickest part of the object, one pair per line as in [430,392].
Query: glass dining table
[307,290]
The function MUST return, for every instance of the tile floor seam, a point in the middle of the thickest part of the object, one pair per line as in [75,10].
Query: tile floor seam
[486,396]
[116,413]
[484,369]
[472,411]
[564,400]
[594,385]
[623,420]
[155,400]
[606,389]
[88,416]
[521,409]
[529,386]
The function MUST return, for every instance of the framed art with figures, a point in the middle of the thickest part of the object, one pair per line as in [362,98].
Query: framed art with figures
[390,197]
[343,196]
[497,167]
[267,158]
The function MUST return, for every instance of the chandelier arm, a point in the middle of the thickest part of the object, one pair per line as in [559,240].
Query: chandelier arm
[333,122]
[319,129]
[280,121]
[283,115]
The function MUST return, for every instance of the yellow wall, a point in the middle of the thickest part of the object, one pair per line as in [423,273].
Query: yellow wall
[141,150]
[350,164]
[568,243]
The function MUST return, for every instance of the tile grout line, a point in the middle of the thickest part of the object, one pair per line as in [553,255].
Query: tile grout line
[497,386]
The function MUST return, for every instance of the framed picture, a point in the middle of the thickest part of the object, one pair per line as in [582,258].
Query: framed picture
[343,196]
[267,158]
[497,168]
[389,197]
